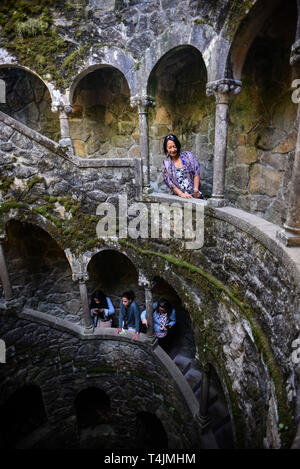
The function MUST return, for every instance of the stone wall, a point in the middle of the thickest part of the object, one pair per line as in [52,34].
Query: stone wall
[262,132]
[243,298]
[48,183]
[62,365]
[103,124]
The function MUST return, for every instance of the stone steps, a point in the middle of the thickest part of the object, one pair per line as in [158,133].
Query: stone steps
[219,435]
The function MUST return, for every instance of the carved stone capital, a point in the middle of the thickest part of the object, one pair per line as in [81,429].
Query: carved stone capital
[62,109]
[223,89]
[144,282]
[142,102]
[78,265]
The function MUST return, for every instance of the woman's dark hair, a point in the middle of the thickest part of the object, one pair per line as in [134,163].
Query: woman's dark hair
[99,295]
[166,305]
[174,139]
[129,295]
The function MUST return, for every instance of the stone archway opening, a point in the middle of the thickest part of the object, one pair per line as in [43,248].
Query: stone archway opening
[183,341]
[93,412]
[103,124]
[178,84]
[21,417]
[262,135]
[27,99]
[114,273]
[150,433]
[39,271]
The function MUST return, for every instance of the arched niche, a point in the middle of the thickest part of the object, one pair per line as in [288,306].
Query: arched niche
[93,412]
[103,124]
[150,433]
[262,136]
[246,33]
[114,273]
[22,414]
[183,341]
[178,84]
[28,100]
[39,271]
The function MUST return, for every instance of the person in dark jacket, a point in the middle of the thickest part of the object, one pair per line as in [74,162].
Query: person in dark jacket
[129,317]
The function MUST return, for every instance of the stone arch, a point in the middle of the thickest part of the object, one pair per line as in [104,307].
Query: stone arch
[29,99]
[262,134]
[110,57]
[178,84]
[114,272]
[103,123]
[200,36]
[182,337]
[33,218]
[21,415]
[92,407]
[39,271]
[150,433]
[246,34]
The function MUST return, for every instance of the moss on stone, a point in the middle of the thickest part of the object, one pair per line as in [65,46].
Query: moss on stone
[70,64]
[238,11]
[35,180]
[5,183]
[9,205]
[29,33]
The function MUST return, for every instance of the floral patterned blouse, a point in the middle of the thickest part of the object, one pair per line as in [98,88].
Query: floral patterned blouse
[183,179]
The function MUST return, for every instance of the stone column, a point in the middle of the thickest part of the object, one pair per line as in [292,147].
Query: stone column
[4,273]
[63,113]
[85,304]
[79,272]
[147,284]
[143,103]
[2,91]
[204,395]
[290,234]
[222,90]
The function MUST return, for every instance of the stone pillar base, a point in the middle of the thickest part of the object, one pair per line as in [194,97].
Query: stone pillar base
[288,238]
[217,202]
[65,142]
[153,340]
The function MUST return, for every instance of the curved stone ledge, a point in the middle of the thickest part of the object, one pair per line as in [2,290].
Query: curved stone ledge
[264,232]
[110,334]
[260,229]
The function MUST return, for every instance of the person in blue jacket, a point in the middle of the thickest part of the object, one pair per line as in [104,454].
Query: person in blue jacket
[129,317]
[101,308]
[164,318]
